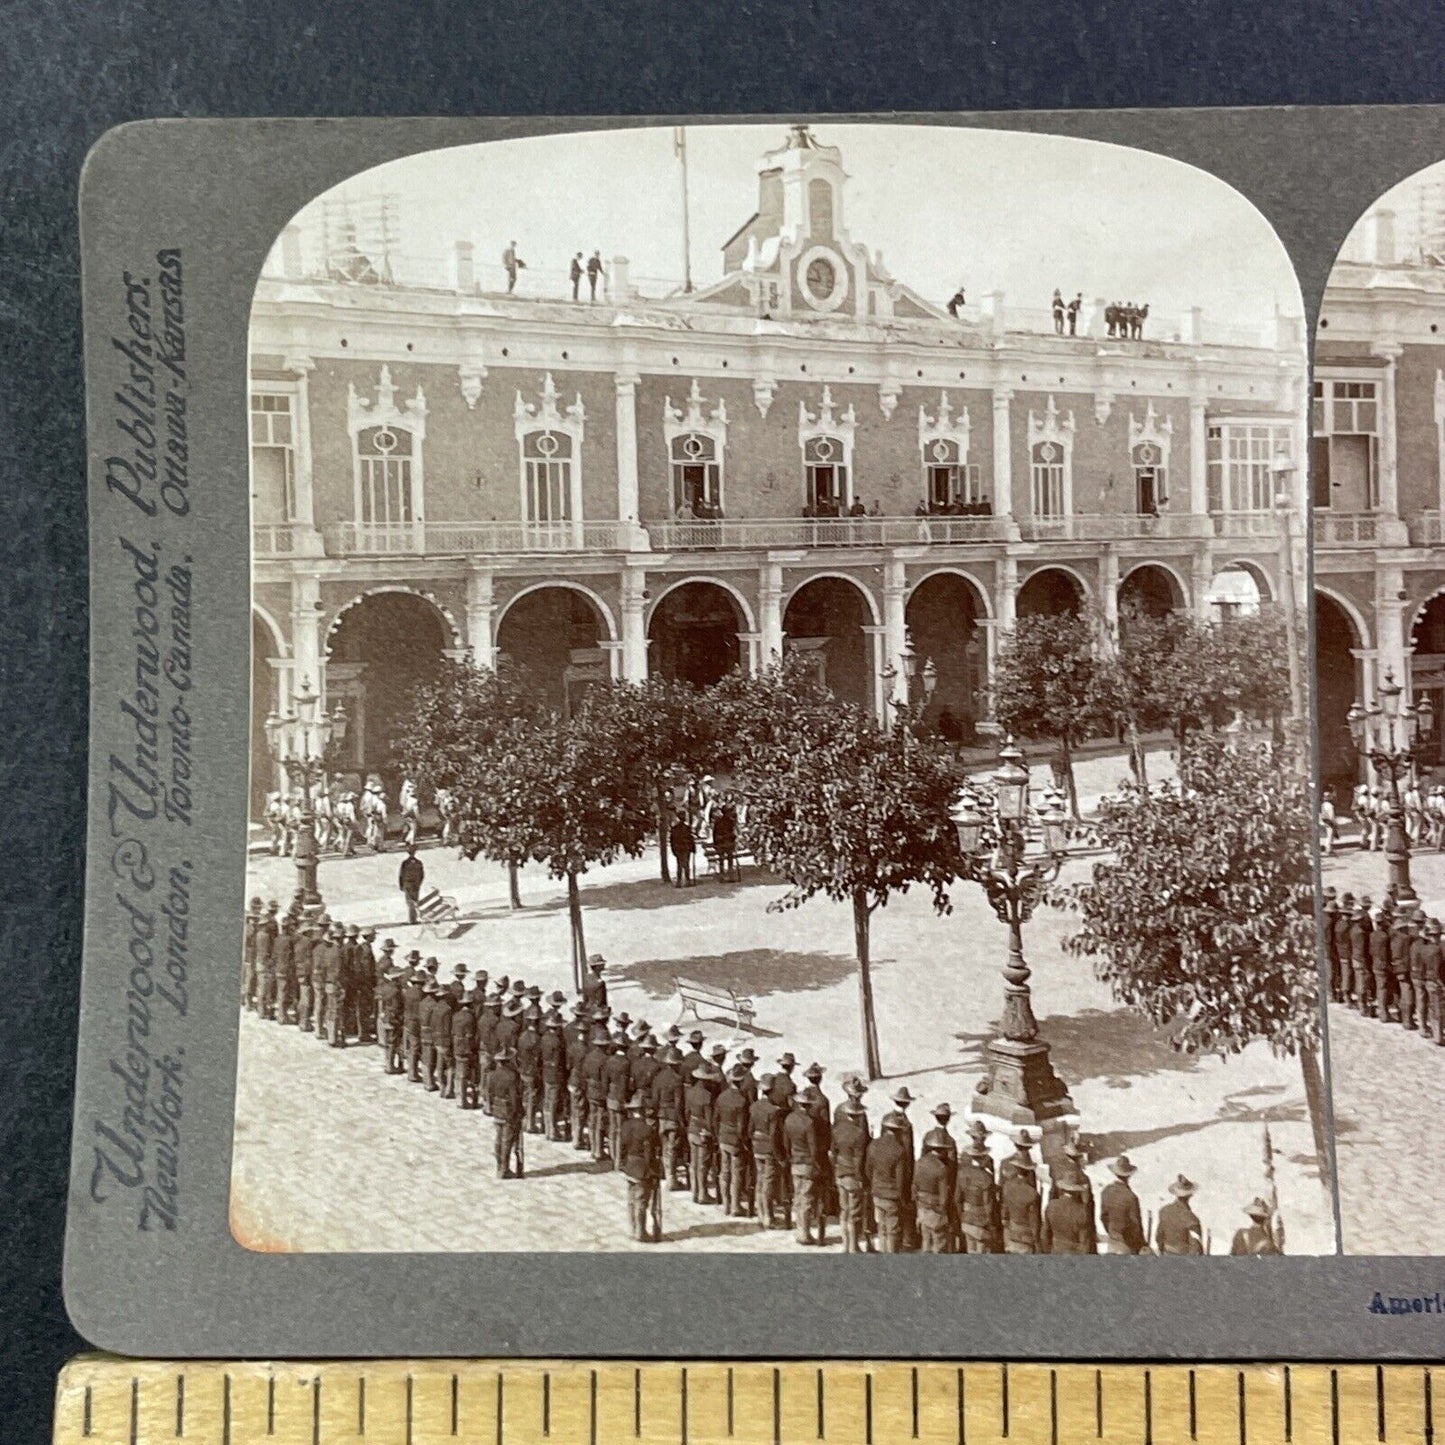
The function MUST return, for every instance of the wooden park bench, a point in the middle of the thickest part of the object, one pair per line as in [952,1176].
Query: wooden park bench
[435,911]
[731,1004]
[710,853]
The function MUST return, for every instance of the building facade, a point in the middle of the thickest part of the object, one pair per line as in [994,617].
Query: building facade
[1378,468]
[663,484]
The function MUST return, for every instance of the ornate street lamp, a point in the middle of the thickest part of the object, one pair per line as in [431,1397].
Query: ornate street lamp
[1391,737]
[298,743]
[1020,1086]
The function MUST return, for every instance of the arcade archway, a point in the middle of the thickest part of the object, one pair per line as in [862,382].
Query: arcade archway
[380,650]
[553,635]
[943,616]
[1151,591]
[693,634]
[1427,663]
[1337,685]
[1236,592]
[824,620]
[1050,592]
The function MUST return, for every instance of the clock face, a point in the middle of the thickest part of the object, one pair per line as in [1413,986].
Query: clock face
[821,277]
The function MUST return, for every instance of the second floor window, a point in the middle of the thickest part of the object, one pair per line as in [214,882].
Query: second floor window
[547,462]
[1344,445]
[273,459]
[385,457]
[1046,489]
[1240,458]
[1151,480]
[949,482]
[824,463]
[696,476]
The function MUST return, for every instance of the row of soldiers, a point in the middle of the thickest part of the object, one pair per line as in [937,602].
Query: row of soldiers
[769,1147]
[1386,960]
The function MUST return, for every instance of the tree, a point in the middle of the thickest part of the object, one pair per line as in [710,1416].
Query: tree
[853,812]
[1202,917]
[1047,684]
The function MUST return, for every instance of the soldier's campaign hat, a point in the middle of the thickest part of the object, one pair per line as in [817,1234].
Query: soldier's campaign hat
[747,1057]
[534,993]
[1346,898]
[854,1086]
[937,1139]
[388,945]
[256,902]
[1329,893]
[895,1121]
[1023,1139]
[814,1071]
[673,1055]
[513,1008]
[649,1044]
[599,1036]
[1122,1168]
[943,1111]
[580,1007]
[708,1071]
[634,1104]
[674,1033]
[480,975]
[1258,1209]
[552,1021]
[1182,1188]
[695,1037]
[459,970]
[977,1130]
[502,982]
[596,961]
[519,987]
[1432,925]
[719,1051]
[433,963]
[787,1061]
[1074,1148]
[556,998]
[623,1019]
[902,1096]
[738,1071]
[368,933]
[1074,1184]
[273,906]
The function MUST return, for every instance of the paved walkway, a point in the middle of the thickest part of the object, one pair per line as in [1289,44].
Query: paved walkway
[1388,1086]
[332,1154]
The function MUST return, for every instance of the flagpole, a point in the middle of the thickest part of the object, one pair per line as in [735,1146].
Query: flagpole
[679,149]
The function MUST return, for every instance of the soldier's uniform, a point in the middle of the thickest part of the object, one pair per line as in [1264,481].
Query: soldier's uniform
[448,1000]
[1340,927]
[413,995]
[505,1096]
[617,1079]
[701,1139]
[283,998]
[907,1220]
[1119,1212]
[801,1144]
[692,1060]
[849,1158]
[254,914]
[635,1158]
[978,1200]
[821,1109]
[390,1007]
[1329,916]
[366,968]
[731,1121]
[1435,980]
[1068,1223]
[1422,960]
[889,1180]
[1020,1214]
[336,989]
[529,1067]
[669,1106]
[427,1020]
[594,990]
[1380,959]
[1360,932]
[263,977]
[933,1186]
[1178,1230]
[593,1067]
[765,1143]
[488,1019]
[577,1046]
[465,1072]
[1402,937]
[301,955]
[1256,1238]
[554,1077]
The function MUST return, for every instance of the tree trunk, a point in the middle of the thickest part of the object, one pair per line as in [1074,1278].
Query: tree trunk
[1071,788]
[514,888]
[861,916]
[579,941]
[1318,1104]
[662,821]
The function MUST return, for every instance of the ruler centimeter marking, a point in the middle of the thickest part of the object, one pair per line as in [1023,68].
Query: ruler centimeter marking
[517,1402]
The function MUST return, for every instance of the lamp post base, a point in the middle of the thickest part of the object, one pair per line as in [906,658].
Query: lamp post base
[1021,1087]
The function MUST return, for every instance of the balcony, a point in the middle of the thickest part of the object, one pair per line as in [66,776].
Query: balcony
[1245,524]
[792,532]
[440,539]
[1094,527]
[1427,529]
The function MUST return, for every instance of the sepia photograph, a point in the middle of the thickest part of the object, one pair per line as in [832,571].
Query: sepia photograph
[781,706]
[1378,479]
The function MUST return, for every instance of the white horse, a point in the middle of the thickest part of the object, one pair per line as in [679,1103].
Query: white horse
[276,821]
[450,810]
[373,815]
[409,803]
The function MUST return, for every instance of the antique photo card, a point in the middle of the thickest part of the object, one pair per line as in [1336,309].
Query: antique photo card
[677,701]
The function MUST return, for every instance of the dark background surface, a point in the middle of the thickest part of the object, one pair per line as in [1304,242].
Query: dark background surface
[71,70]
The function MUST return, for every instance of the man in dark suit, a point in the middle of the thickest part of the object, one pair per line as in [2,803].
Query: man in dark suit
[464,1053]
[800,1144]
[887,1176]
[409,879]
[635,1151]
[698,1101]
[617,1078]
[1119,1211]
[1020,1214]
[849,1158]
[978,1201]
[505,1093]
[730,1116]
[1068,1224]
[413,995]
[933,1184]
[1178,1230]
[668,1101]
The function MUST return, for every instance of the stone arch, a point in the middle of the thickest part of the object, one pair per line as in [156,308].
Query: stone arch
[278,637]
[1261,575]
[1339,637]
[449,622]
[1425,663]
[560,635]
[693,631]
[980,590]
[1052,591]
[825,620]
[947,615]
[1156,586]
[745,609]
[875,618]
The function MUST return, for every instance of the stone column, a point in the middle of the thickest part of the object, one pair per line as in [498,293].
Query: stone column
[1003,494]
[627,484]
[305,539]
[1390,625]
[750,646]
[895,626]
[1005,592]
[878,640]
[616,660]
[1109,588]
[633,660]
[1201,579]
[1388,497]
[306,632]
[1198,458]
[480,612]
[770,596]
[987,630]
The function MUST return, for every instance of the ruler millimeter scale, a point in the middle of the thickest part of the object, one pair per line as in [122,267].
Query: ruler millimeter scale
[111,1401]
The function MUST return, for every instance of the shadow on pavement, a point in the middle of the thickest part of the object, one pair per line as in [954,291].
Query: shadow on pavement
[753,972]
[717,1230]
[643,893]
[573,1166]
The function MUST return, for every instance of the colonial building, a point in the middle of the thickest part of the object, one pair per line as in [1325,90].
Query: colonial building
[652,483]
[1378,467]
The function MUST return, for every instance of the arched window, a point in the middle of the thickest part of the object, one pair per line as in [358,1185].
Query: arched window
[1047,480]
[1151,478]
[547,466]
[826,470]
[384,456]
[696,475]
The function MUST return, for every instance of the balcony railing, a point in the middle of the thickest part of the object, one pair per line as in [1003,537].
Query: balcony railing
[273,540]
[1347,529]
[823,532]
[1245,524]
[1427,529]
[432,539]
[1093,527]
